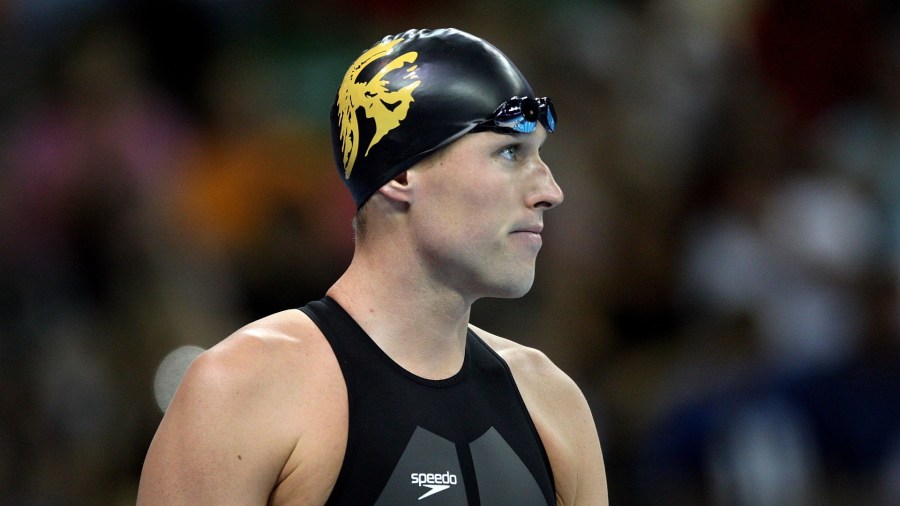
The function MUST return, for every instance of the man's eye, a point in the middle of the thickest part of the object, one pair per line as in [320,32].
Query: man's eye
[510,152]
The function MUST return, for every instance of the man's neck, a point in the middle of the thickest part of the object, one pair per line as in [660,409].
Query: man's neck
[420,326]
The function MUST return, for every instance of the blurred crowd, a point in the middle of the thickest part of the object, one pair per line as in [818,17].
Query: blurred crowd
[722,279]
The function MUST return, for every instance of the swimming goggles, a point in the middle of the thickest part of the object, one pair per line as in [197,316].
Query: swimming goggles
[521,114]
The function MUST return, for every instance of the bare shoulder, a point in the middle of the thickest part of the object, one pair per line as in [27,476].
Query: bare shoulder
[233,427]
[262,355]
[563,419]
[531,368]
[266,364]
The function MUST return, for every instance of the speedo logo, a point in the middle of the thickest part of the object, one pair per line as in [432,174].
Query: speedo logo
[435,482]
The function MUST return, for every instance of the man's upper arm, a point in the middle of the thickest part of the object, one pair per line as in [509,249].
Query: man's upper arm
[580,458]
[216,443]
[591,489]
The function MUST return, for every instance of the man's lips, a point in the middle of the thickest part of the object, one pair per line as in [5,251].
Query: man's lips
[530,234]
[532,229]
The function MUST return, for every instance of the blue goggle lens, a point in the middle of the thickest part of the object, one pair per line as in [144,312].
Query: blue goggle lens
[521,114]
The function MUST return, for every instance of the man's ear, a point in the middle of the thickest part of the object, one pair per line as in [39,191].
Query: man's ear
[398,189]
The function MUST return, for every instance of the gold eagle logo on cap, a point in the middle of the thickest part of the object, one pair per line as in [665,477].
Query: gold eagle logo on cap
[388,108]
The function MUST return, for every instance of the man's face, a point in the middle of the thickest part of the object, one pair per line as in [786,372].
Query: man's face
[478,212]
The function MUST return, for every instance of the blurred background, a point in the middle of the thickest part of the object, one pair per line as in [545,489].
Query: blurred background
[722,279]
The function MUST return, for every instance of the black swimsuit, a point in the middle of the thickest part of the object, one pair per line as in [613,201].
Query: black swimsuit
[467,439]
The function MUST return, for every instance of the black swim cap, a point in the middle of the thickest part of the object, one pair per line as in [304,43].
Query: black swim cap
[410,94]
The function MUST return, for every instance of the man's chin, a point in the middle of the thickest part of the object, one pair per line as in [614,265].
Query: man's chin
[513,291]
